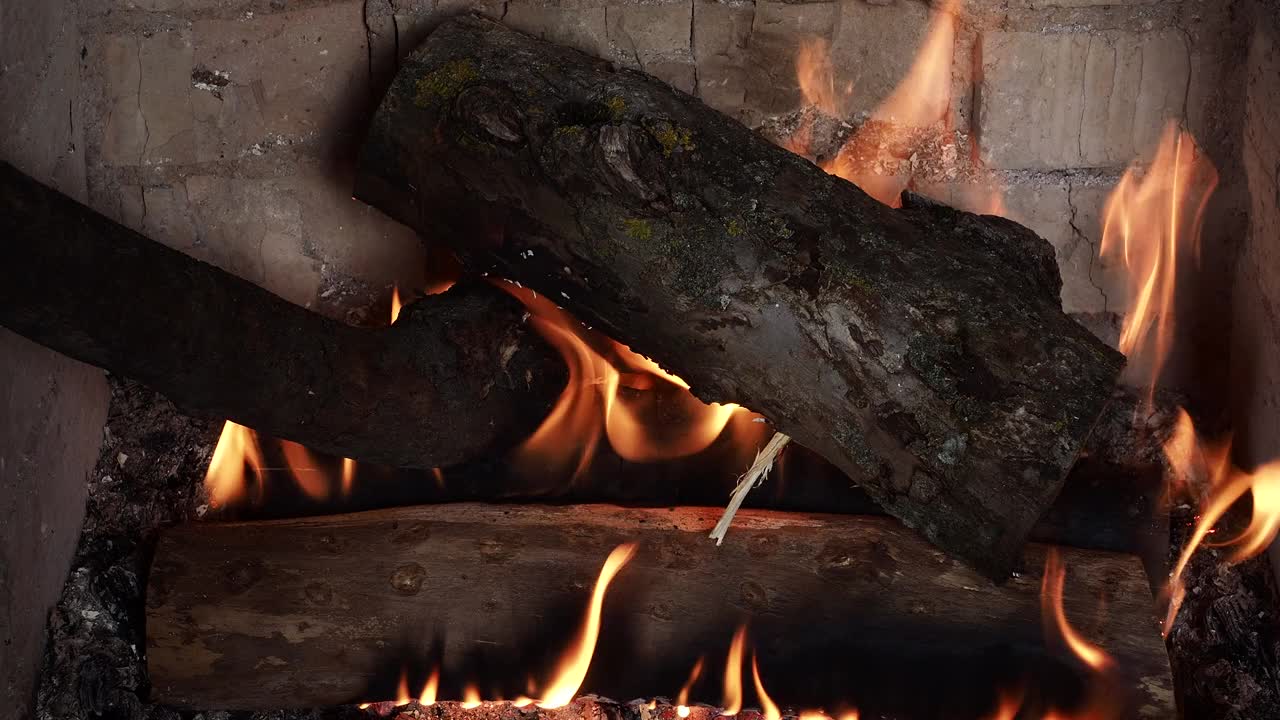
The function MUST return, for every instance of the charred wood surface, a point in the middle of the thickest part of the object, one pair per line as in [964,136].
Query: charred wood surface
[923,350]
[321,611]
[457,374]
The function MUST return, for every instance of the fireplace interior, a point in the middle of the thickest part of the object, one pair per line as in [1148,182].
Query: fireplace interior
[397,358]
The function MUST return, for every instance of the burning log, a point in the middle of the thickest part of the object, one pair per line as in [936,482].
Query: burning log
[457,374]
[923,350]
[333,610]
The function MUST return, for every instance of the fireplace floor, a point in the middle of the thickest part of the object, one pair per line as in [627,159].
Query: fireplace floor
[149,476]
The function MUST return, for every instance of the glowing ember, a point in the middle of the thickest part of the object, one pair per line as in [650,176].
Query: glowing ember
[1051,607]
[615,393]
[732,701]
[225,480]
[1152,221]
[573,668]
[767,705]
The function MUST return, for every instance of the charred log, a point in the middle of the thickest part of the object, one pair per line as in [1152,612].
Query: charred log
[923,350]
[457,374]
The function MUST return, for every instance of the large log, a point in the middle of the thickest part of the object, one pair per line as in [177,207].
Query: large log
[923,351]
[328,610]
[458,373]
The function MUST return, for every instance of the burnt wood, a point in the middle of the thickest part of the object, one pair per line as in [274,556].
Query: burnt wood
[457,374]
[923,351]
[320,611]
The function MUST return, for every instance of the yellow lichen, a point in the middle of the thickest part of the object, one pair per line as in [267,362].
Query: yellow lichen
[617,106]
[637,229]
[444,82]
[672,137]
[733,228]
[568,130]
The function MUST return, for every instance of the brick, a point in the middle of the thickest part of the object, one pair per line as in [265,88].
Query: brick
[1049,4]
[872,49]
[582,28]
[123,128]
[720,34]
[777,31]
[1072,100]
[297,75]
[164,98]
[654,38]
[167,218]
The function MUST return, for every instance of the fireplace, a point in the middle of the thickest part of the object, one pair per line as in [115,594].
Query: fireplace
[441,336]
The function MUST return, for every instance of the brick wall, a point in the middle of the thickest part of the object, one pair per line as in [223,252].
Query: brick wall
[226,127]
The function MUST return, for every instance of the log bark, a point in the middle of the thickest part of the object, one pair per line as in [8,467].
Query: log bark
[329,610]
[923,351]
[458,373]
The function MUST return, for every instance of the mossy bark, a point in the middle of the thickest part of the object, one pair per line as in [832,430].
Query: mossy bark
[457,375]
[923,350]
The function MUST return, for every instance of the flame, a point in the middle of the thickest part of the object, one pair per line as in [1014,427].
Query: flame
[225,479]
[471,696]
[1008,703]
[402,689]
[348,476]
[1149,222]
[682,700]
[732,701]
[817,78]
[427,697]
[767,704]
[1051,607]
[625,397]
[573,667]
[396,304]
[302,466]
[920,101]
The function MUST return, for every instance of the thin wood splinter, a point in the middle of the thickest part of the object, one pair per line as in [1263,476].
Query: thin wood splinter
[754,475]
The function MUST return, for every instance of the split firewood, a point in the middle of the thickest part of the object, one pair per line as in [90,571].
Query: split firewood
[320,611]
[923,351]
[456,375]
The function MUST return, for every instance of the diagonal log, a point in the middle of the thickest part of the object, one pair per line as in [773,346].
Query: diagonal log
[923,351]
[457,374]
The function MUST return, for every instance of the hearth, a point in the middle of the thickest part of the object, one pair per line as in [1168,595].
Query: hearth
[826,361]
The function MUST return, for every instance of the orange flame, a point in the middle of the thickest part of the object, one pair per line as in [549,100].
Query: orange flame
[732,701]
[396,304]
[225,480]
[682,700]
[921,100]
[1051,607]
[402,689]
[767,705]
[617,398]
[1008,703]
[817,77]
[470,696]
[574,665]
[302,466]
[427,697]
[1150,221]
[348,476]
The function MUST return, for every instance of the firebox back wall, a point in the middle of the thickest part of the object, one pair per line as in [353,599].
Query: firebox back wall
[226,128]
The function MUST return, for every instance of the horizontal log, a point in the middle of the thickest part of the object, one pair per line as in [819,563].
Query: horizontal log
[458,374]
[923,351]
[330,610]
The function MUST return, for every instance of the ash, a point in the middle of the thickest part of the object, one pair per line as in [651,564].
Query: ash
[148,476]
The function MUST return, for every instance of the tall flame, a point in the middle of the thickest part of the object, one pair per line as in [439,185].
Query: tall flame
[1051,607]
[348,476]
[767,705]
[817,77]
[471,696]
[396,304]
[1151,222]
[625,397]
[732,701]
[225,480]
[574,665]
[682,700]
[427,697]
[402,689]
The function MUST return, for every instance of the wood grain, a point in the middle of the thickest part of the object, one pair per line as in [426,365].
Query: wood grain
[329,610]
